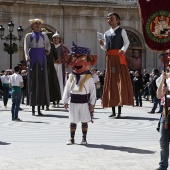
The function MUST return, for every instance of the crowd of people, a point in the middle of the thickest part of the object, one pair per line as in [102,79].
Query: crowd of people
[145,88]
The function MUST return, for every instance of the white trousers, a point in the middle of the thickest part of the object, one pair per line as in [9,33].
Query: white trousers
[58,68]
[79,112]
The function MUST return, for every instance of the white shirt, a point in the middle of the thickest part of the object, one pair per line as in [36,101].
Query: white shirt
[5,79]
[124,36]
[95,78]
[56,46]
[16,80]
[89,88]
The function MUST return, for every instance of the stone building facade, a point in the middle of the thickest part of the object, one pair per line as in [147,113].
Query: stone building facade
[79,21]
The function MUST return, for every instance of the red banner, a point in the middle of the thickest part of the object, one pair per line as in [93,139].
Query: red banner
[155,17]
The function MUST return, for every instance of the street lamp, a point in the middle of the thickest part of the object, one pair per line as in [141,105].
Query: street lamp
[11,38]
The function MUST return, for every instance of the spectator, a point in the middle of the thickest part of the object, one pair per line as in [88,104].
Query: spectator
[137,88]
[153,87]
[146,92]
[24,89]
[101,79]
[16,82]
[96,81]
[5,79]
[164,122]
[145,77]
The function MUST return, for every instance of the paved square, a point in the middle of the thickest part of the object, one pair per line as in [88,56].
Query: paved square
[39,143]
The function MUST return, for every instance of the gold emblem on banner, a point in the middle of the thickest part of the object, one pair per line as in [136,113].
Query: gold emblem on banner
[158,26]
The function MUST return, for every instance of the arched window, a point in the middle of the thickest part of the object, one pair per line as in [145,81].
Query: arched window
[134,40]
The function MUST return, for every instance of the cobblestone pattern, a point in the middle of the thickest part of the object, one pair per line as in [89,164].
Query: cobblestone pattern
[39,143]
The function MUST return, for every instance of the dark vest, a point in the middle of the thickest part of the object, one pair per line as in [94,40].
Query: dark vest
[114,41]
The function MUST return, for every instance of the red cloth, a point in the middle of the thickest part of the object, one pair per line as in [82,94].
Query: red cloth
[121,56]
[155,17]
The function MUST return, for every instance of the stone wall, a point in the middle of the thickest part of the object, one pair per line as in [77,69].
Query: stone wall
[74,21]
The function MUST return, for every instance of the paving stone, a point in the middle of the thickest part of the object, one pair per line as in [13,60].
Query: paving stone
[39,143]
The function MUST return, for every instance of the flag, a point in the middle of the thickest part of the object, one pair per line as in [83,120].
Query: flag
[155,17]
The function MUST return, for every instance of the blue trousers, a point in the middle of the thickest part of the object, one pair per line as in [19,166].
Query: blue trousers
[138,98]
[156,101]
[164,145]
[5,95]
[16,100]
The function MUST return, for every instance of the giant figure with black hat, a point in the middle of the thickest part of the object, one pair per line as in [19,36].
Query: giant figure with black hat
[36,48]
[80,89]
[117,86]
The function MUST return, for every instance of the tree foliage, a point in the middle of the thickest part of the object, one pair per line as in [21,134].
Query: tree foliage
[11,49]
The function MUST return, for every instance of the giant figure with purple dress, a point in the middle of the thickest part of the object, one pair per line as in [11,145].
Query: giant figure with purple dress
[36,48]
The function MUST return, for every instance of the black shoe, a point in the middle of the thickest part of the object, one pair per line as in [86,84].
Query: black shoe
[112,115]
[159,112]
[47,109]
[151,112]
[40,114]
[118,116]
[33,113]
[158,169]
[20,109]
[17,119]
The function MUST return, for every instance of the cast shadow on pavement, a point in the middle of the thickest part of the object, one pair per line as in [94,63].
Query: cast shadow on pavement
[50,115]
[4,110]
[95,118]
[4,143]
[139,118]
[54,109]
[102,112]
[34,122]
[120,148]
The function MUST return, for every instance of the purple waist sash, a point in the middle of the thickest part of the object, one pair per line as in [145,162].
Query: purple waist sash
[80,98]
[37,54]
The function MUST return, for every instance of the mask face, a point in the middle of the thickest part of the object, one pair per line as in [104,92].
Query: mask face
[80,63]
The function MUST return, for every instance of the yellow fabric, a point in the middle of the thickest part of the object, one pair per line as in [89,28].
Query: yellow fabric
[82,82]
